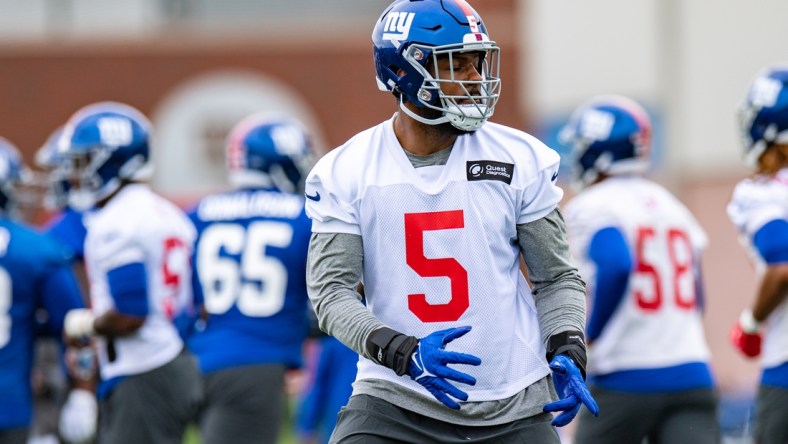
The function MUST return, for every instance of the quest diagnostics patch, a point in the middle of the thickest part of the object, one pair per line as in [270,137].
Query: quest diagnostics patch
[489,170]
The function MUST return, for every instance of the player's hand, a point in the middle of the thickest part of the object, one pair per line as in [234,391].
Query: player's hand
[571,389]
[429,366]
[78,417]
[79,323]
[745,335]
[81,362]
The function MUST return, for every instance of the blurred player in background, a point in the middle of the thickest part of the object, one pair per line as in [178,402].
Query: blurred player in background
[333,370]
[759,210]
[137,252]
[64,223]
[35,274]
[329,389]
[76,418]
[433,208]
[251,262]
[639,252]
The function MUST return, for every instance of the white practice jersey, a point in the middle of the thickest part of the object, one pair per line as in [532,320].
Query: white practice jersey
[138,226]
[658,322]
[756,202]
[440,244]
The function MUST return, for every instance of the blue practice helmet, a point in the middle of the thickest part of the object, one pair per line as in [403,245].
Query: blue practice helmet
[106,144]
[55,172]
[764,114]
[13,175]
[269,151]
[609,135]
[412,33]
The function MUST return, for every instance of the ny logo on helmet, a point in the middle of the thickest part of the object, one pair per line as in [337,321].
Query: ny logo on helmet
[115,131]
[765,92]
[397,26]
[597,125]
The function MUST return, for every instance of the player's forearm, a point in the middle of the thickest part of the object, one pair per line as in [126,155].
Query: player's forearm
[561,308]
[558,289]
[334,269]
[772,291]
[114,323]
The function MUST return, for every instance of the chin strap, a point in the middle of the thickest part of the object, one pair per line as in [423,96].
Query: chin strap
[457,119]
[419,118]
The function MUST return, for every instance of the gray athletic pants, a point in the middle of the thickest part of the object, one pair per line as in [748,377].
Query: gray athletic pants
[370,420]
[771,418]
[243,405]
[152,407]
[687,417]
[14,436]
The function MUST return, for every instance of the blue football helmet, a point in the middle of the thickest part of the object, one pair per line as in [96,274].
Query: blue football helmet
[609,135]
[764,114]
[105,144]
[55,178]
[409,38]
[14,175]
[269,151]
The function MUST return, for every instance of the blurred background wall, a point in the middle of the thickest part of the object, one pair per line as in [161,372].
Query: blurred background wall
[197,66]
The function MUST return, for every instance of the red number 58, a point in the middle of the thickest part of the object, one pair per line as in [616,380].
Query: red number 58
[679,268]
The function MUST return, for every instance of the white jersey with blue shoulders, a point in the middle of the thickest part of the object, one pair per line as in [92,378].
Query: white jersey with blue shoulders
[757,201]
[440,243]
[658,322]
[138,226]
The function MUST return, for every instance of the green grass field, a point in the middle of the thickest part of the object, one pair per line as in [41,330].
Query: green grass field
[193,436]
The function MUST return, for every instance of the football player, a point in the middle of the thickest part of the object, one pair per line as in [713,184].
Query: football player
[65,224]
[639,252]
[329,389]
[250,260]
[137,254]
[77,417]
[35,273]
[759,210]
[434,208]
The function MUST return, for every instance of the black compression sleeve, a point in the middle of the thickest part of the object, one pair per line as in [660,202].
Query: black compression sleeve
[569,343]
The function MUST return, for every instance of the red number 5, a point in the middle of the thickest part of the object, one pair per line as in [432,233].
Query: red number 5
[415,226]
[171,272]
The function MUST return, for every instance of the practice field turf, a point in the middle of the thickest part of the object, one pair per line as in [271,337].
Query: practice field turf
[193,436]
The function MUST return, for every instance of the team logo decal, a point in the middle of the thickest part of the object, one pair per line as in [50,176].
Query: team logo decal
[765,91]
[397,26]
[489,170]
[597,125]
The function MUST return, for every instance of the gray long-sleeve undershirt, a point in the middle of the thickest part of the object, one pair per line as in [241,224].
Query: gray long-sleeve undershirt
[335,267]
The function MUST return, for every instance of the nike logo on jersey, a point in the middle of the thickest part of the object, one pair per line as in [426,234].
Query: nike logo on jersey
[489,170]
[316,197]
[555,176]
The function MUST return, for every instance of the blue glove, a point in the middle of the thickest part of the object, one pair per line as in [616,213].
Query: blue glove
[428,366]
[571,389]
